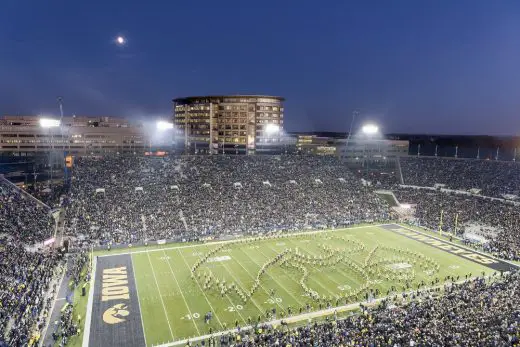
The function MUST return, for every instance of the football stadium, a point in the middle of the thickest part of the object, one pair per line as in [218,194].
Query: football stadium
[262,250]
[259,174]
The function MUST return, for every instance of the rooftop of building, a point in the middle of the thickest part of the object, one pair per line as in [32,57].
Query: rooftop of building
[237,96]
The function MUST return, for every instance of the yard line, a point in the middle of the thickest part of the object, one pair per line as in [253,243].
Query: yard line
[138,300]
[285,289]
[292,279]
[238,311]
[312,232]
[204,293]
[305,316]
[182,294]
[160,297]
[265,290]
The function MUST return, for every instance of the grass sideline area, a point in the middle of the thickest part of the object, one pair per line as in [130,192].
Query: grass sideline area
[177,284]
[79,308]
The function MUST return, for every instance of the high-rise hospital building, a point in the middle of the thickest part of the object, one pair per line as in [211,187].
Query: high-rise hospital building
[229,123]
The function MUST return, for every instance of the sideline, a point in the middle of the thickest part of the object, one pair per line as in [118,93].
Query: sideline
[241,239]
[88,318]
[313,314]
[55,300]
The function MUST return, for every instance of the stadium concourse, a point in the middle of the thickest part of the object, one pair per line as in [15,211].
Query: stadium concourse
[131,199]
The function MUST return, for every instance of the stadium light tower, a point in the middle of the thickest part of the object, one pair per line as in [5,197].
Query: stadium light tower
[163,125]
[370,129]
[272,129]
[49,123]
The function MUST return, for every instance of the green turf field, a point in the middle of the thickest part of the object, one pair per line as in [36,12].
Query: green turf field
[178,285]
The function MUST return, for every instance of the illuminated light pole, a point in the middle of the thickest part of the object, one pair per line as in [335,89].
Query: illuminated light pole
[271,129]
[369,130]
[48,123]
[162,126]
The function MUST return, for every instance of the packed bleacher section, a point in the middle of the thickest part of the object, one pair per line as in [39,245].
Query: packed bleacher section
[51,196]
[495,221]
[24,280]
[494,178]
[21,218]
[25,271]
[481,312]
[128,199]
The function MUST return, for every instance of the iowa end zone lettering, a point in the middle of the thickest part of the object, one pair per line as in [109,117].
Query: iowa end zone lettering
[116,319]
[482,259]
[115,284]
[115,287]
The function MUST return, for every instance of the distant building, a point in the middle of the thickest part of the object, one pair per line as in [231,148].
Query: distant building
[230,124]
[358,148]
[319,145]
[23,136]
[370,149]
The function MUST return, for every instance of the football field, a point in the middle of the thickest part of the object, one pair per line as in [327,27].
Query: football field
[166,296]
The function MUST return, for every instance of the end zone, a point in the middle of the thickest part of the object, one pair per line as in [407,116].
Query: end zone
[113,311]
[458,250]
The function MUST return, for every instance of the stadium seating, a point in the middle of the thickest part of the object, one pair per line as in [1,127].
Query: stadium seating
[129,199]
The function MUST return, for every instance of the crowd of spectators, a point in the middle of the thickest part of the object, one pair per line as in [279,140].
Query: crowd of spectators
[65,327]
[480,312]
[128,199]
[21,218]
[492,177]
[24,280]
[497,222]
[51,196]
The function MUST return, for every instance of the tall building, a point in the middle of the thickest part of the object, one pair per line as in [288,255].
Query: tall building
[229,123]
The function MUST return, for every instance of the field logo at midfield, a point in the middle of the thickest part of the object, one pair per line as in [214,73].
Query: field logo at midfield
[115,314]
[115,287]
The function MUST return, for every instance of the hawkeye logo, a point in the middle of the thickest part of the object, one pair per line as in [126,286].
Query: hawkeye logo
[115,313]
[115,287]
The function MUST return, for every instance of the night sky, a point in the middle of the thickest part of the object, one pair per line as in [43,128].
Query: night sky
[443,66]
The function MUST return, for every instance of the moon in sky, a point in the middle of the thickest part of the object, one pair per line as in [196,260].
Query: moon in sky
[120,40]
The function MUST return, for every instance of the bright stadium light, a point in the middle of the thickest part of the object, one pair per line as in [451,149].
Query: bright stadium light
[370,129]
[271,129]
[49,123]
[163,125]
